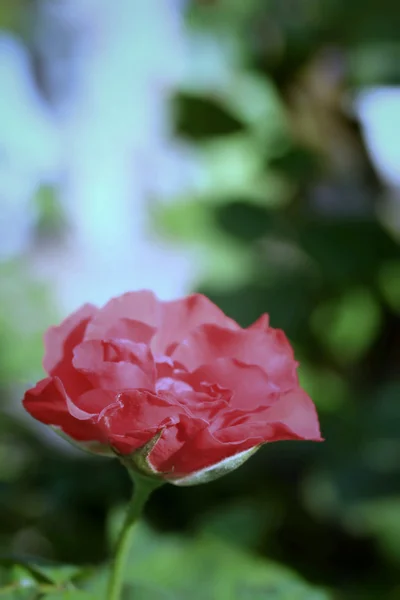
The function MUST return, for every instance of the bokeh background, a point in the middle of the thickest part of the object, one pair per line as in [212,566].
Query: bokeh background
[248,149]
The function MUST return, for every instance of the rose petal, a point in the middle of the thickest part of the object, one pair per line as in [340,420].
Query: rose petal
[127,329]
[202,405]
[180,317]
[165,367]
[142,307]
[173,386]
[205,402]
[292,417]
[173,320]
[95,401]
[47,402]
[60,340]
[200,451]
[249,384]
[261,323]
[115,364]
[269,350]
[138,411]
[297,412]
[173,438]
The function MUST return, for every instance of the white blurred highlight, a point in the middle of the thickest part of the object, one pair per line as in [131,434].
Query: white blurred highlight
[29,147]
[105,138]
[379,111]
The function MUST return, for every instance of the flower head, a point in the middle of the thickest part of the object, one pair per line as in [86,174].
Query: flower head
[176,389]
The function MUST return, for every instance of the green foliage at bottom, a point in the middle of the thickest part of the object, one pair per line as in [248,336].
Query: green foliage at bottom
[205,568]
[165,567]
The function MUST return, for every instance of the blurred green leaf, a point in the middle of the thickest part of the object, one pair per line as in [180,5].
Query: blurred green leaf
[349,325]
[147,592]
[296,163]
[389,283]
[242,523]
[224,261]
[244,220]
[375,63]
[60,574]
[380,518]
[203,118]
[22,322]
[230,167]
[11,12]
[328,390]
[35,574]
[348,251]
[205,568]
[70,595]
[15,593]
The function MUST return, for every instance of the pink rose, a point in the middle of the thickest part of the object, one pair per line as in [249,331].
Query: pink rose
[178,387]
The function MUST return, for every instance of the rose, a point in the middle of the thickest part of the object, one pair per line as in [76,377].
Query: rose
[176,389]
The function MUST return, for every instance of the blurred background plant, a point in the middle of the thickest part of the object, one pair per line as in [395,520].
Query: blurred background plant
[248,150]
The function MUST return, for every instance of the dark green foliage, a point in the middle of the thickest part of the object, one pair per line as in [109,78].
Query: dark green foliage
[203,118]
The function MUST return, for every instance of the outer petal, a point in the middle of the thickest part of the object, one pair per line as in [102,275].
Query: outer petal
[172,320]
[95,401]
[296,411]
[137,307]
[60,340]
[126,329]
[180,317]
[269,350]
[292,417]
[47,402]
[115,364]
[261,323]
[201,451]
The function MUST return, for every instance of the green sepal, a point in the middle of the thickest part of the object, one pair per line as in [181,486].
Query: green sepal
[215,471]
[138,462]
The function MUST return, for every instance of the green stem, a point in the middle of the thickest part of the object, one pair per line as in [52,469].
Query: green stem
[144,486]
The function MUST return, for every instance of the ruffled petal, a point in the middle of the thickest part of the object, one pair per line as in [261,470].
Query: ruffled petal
[201,451]
[173,438]
[296,411]
[180,317]
[60,340]
[127,313]
[136,417]
[172,320]
[127,329]
[292,417]
[203,401]
[48,402]
[269,350]
[95,401]
[249,384]
[261,323]
[115,364]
